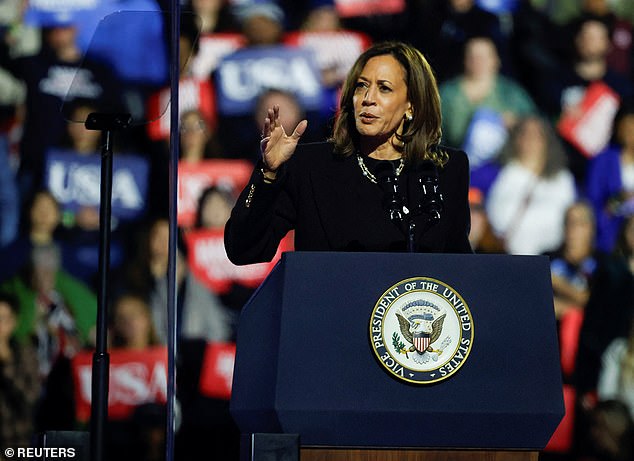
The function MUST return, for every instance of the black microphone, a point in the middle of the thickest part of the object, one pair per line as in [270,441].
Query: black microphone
[388,181]
[430,203]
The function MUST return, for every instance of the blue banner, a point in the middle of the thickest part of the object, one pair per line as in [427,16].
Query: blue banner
[75,179]
[128,35]
[244,74]
[485,136]
[498,6]
[47,13]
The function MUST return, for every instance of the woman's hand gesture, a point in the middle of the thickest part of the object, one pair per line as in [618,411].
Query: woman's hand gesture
[276,146]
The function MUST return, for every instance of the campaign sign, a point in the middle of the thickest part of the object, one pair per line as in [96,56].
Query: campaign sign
[243,75]
[588,126]
[348,8]
[194,178]
[498,6]
[75,180]
[485,136]
[193,94]
[216,374]
[209,263]
[127,35]
[211,49]
[334,51]
[132,43]
[136,377]
[44,13]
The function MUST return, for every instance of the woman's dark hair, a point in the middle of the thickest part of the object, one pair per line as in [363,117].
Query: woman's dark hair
[626,109]
[621,247]
[206,193]
[422,134]
[118,341]
[555,155]
[25,214]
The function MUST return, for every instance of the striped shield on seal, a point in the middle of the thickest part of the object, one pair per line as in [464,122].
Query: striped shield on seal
[421,342]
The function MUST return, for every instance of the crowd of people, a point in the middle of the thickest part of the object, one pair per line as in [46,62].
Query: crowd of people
[539,94]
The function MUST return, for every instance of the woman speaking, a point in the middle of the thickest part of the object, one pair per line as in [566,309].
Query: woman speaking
[382,183]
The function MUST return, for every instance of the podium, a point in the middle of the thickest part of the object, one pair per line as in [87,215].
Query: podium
[308,363]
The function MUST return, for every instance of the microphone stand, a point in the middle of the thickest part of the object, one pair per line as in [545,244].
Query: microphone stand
[107,124]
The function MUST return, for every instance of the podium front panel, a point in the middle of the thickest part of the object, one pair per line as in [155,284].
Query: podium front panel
[330,388]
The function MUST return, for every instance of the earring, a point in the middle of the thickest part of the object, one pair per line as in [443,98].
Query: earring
[409,117]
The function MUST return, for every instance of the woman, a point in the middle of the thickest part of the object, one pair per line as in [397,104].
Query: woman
[481,87]
[19,379]
[387,131]
[201,314]
[198,140]
[609,309]
[132,326]
[572,265]
[610,182]
[529,197]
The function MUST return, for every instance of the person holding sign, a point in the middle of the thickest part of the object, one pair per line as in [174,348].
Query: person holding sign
[381,183]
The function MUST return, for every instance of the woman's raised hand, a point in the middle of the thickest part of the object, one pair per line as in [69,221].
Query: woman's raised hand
[276,146]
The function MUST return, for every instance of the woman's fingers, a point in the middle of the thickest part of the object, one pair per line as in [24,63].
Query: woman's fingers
[299,129]
[266,128]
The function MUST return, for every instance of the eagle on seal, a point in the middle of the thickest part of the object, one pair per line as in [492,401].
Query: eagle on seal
[420,328]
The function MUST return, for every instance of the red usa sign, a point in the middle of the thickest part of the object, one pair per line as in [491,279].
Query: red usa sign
[209,262]
[347,8]
[216,374]
[136,377]
[193,179]
[193,94]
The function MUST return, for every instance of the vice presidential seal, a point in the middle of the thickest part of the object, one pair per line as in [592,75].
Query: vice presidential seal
[421,330]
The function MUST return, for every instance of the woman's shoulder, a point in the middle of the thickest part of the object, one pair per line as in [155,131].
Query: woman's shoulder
[456,157]
[315,154]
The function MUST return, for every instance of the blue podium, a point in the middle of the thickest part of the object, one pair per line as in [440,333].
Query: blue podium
[311,359]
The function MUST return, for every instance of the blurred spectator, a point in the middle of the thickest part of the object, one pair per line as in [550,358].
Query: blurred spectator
[54,77]
[616,377]
[562,92]
[609,308]
[214,208]
[442,28]
[619,57]
[194,93]
[262,23]
[200,312]
[54,307]
[527,201]
[322,18]
[131,324]
[20,38]
[9,199]
[40,219]
[80,140]
[142,435]
[573,264]
[20,384]
[291,113]
[610,180]
[610,433]
[480,89]
[481,235]
[532,44]
[198,140]
[213,15]
[586,63]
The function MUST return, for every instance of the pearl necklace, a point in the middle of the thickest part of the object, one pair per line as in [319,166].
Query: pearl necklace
[368,174]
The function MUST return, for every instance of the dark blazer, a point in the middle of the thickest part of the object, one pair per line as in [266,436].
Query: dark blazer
[332,206]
